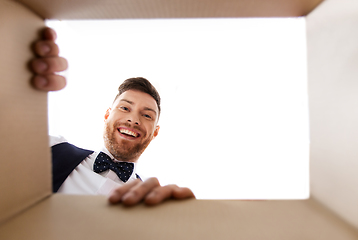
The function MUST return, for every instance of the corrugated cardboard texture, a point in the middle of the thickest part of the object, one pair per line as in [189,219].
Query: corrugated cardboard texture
[81,217]
[333,99]
[25,168]
[108,9]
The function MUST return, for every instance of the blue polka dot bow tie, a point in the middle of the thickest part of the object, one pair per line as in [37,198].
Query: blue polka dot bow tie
[123,169]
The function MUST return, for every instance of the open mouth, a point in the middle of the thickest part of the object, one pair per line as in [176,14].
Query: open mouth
[129,133]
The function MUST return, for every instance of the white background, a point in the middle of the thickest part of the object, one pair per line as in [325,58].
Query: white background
[234,121]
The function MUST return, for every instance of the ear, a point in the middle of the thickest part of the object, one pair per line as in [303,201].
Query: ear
[106,115]
[156,131]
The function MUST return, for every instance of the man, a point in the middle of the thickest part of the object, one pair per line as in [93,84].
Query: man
[130,125]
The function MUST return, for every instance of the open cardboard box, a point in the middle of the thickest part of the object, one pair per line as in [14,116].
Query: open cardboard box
[29,210]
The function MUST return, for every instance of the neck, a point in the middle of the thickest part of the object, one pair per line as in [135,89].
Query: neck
[119,157]
[133,160]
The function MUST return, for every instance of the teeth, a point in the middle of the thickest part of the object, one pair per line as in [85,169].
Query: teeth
[126,131]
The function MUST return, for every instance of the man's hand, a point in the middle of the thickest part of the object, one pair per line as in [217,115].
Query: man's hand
[47,63]
[148,191]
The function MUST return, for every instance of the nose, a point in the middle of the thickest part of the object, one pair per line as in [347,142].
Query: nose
[132,118]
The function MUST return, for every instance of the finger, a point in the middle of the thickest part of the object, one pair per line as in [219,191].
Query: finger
[138,192]
[50,82]
[182,193]
[46,48]
[117,194]
[49,65]
[160,194]
[49,34]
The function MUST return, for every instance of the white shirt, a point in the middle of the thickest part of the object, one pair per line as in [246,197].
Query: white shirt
[83,180]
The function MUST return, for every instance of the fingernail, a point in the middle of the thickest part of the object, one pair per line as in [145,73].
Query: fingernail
[128,196]
[40,81]
[45,49]
[153,199]
[41,66]
[114,197]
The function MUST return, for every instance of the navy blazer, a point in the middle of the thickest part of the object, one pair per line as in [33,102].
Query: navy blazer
[65,158]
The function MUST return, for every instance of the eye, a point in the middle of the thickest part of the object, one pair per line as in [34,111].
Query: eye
[124,108]
[147,116]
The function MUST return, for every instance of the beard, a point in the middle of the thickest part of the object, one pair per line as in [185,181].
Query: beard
[123,150]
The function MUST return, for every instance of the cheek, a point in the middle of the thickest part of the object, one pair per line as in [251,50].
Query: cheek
[113,117]
[109,124]
[150,129]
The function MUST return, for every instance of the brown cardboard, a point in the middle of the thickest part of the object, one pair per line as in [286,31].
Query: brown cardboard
[333,97]
[92,9]
[25,170]
[81,217]
[26,211]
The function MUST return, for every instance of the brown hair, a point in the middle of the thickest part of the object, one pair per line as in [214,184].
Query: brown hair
[140,84]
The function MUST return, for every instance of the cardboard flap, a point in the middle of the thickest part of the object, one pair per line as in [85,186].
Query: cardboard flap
[25,167]
[332,44]
[91,217]
[110,9]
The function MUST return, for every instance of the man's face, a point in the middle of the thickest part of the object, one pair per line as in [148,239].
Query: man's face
[130,125]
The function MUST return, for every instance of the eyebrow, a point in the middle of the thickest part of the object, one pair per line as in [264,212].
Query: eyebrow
[145,108]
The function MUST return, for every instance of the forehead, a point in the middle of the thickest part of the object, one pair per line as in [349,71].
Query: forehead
[137,98]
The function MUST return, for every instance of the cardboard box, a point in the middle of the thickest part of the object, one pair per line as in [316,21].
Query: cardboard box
[29,210]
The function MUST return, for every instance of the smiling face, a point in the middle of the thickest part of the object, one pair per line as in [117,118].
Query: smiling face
[130,125]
